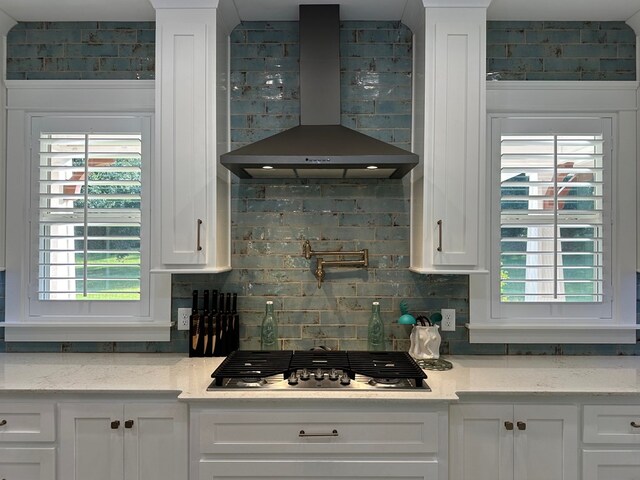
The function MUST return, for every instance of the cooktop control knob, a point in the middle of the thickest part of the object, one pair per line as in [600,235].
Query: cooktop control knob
[293,379]
[304,374]
[319,375]
[344,379]
[333,374]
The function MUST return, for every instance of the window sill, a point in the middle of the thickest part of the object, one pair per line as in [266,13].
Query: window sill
[74,332]
[586,334]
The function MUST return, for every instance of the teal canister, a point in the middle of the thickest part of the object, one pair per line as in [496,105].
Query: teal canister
[269,330]
[375,331]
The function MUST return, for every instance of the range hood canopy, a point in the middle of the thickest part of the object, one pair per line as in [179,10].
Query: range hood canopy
[319,147]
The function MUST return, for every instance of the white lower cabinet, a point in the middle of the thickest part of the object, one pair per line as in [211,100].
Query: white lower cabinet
[611,438]
[397,442]
[116,441]
[513,442]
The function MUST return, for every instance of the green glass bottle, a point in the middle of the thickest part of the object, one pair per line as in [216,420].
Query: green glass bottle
[269,330]
[375,332]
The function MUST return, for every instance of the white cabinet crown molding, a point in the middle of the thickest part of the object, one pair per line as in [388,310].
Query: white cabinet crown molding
[6,23]
[456,3]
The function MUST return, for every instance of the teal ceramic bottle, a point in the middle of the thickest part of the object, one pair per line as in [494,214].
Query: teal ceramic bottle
[269,330]
[375,333]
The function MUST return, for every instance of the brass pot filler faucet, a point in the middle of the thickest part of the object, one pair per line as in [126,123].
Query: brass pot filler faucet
[321,263]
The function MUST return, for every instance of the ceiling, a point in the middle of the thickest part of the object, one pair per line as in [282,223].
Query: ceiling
[134,10]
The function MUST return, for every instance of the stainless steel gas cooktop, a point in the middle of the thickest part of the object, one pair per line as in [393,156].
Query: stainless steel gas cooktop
[313,369]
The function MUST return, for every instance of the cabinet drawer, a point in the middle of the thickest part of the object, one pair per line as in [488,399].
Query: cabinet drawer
[610,465]
[611,424]
[27,422]
[318,432]
[334,470]
[27,463]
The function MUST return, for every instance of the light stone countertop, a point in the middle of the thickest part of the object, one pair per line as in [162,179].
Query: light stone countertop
[188,378]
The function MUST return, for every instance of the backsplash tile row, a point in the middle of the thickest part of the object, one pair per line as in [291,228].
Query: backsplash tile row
[560,51]
[81,51]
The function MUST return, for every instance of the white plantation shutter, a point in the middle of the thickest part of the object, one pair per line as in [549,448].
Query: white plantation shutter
[89,248]
[551,218]
[89,216]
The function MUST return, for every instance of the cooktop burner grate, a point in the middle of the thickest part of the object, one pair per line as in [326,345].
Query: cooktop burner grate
[312,359]
[252,364]
[386,365]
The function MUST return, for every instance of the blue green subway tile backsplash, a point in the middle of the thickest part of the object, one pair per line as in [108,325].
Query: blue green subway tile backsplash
[271,219]
[561,51]
[81,51]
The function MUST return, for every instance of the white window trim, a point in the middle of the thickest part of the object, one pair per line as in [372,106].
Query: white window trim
[617,100]
[74,97]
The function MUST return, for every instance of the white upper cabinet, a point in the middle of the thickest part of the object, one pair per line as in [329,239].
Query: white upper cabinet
[192,104]
[448,186]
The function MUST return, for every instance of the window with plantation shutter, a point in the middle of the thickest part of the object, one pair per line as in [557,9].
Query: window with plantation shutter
[81,235]
[561,237]
[552,226]
[89,216]
[551,211]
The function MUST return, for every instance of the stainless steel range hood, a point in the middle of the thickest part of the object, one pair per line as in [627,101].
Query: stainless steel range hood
[319,147]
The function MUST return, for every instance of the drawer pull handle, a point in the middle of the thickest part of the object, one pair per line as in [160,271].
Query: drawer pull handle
[633,424]
[302,433]
[3,422]
[128,424]
[439,235]
[115,424]
[508,425]
[521,425]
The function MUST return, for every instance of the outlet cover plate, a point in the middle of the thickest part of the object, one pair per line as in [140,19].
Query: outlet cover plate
[183,318]
[448,319]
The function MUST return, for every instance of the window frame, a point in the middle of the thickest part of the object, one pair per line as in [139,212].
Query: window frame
[613,100]
[537,312]
[112,100]
[85,124]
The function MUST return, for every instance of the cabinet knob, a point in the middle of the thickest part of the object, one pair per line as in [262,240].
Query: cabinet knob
[521,425]
[633,424]
[115,424]
[128,424]
[3,422]
[508,425]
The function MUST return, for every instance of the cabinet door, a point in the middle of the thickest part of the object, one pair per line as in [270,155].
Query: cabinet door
[27,464]
[457,151]
[334,470]
[546,442]
[481,442]
[91,445]
[155,441]
[610,465]
[183,121]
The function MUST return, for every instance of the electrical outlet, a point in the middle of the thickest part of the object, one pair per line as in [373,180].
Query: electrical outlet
[183,318]
[448,319]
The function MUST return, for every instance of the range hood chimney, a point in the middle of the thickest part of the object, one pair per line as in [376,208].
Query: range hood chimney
[319,147]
